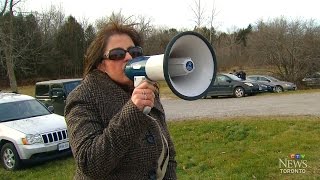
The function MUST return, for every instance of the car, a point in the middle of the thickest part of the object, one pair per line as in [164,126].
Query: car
[54,92]
[312,80]
[30,132]
[279,86]
[264,86]
[230,85]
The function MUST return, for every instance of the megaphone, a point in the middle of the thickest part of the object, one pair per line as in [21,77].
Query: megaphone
[188,66]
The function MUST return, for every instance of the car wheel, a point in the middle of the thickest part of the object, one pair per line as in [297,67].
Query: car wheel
[278,89]
[9,157]
[238,92]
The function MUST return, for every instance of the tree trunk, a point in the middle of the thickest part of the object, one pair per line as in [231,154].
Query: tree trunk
[10,72]
[9,58]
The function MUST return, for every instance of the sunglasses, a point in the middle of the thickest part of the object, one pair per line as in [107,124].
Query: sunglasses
[119,53]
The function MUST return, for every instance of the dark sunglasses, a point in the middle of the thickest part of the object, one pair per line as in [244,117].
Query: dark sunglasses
[119,53]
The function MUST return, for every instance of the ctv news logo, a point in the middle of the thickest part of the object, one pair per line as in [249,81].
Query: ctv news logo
[295,164]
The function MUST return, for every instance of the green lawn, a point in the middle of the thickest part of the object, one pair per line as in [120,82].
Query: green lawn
[236,148]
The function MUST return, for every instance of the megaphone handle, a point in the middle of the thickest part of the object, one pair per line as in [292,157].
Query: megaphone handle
[137,81]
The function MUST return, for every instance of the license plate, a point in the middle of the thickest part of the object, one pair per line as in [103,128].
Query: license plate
[63,146]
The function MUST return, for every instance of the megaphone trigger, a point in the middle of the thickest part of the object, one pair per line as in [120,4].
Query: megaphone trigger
[137,81]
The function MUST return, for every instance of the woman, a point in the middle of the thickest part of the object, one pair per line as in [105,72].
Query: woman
[110,136]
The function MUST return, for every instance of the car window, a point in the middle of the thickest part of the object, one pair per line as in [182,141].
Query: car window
[263,79]
[316,75]
[223,78]
[253,78]
[220,78]
[42,90]
[233,77]
[273,79]
[56,86]
[21,109]
[216,80]
[70,86]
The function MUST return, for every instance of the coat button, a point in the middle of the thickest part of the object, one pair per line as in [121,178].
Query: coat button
[152,175]
[150,138]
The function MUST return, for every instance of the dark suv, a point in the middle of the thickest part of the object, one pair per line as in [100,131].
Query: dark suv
[54,92]
[312,80]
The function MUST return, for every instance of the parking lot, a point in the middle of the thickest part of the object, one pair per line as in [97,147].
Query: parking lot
[275,104]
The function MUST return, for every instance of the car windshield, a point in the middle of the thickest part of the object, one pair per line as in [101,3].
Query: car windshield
[315,75]
[21,110]
[234,77]
[272,79]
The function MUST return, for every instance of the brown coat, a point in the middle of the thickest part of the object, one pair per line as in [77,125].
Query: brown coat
[110,138]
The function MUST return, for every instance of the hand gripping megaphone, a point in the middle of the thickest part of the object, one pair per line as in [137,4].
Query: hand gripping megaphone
[188,66]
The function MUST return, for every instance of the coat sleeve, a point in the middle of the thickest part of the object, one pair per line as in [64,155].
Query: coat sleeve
[94,144]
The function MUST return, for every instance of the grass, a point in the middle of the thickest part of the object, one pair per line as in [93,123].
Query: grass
[245,148]
[29,90]
[234,148]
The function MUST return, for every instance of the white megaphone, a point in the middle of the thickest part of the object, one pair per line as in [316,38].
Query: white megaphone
[188,66]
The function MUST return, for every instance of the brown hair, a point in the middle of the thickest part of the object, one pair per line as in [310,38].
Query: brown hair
[94,54]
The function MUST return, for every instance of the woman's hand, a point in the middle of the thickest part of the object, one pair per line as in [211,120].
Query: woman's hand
[143,95]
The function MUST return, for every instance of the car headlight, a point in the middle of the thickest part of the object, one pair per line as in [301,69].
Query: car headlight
[32,139]
[248,84]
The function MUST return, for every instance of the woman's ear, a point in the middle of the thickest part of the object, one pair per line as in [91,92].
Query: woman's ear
[102,66]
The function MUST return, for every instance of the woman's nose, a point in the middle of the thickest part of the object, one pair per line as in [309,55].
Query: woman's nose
[128,56]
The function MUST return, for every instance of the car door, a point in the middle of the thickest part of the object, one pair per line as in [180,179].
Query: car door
[224,85]
[316,79]
[58,102]
[42,94]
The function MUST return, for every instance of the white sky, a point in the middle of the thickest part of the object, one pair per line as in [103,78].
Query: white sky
[230,14]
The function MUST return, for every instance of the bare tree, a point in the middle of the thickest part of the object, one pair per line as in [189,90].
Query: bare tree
[213,15]
[144,25]
[7,41]
[199,13]
[50,21]
[228,51]
[289,47]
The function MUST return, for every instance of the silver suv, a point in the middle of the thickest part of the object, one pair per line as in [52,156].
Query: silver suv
[29,131]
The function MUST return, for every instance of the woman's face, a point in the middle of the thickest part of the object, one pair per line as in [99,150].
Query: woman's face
[115,68]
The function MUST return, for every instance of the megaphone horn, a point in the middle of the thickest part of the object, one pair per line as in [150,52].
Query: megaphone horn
[188,66]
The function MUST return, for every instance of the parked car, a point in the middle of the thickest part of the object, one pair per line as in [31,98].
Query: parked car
[54,92]
[263,86]
[29,131]
[230,85]
[312,80]
[279,86]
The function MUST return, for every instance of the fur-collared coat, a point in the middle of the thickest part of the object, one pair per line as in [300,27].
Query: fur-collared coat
[110,137]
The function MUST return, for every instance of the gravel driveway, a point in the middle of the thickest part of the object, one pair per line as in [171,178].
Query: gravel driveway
[274,104]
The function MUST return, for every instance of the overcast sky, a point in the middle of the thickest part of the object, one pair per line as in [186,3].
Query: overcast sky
[230,14]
